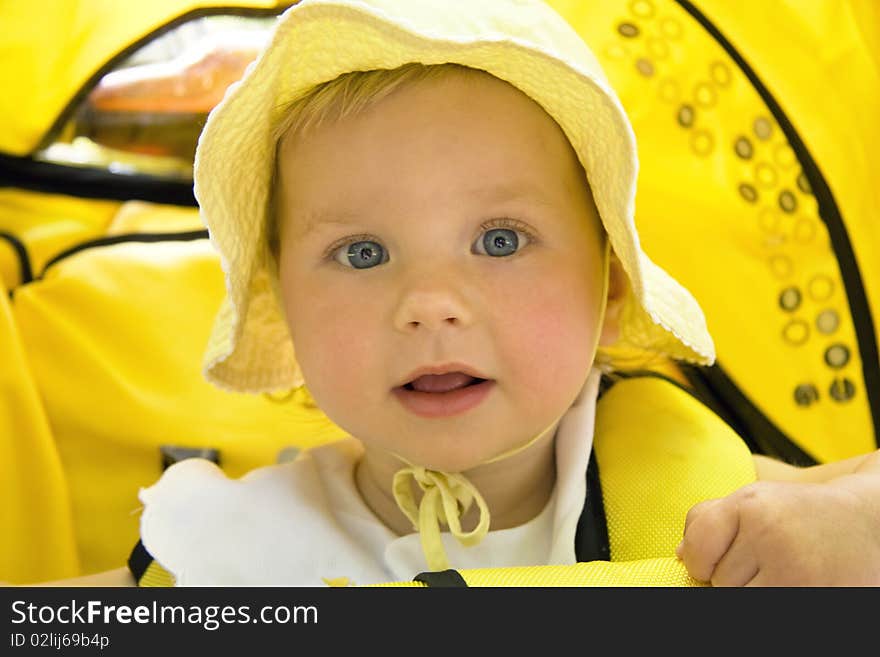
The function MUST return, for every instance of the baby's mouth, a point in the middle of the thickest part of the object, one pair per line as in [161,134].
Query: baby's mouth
[440,383]
[443,395]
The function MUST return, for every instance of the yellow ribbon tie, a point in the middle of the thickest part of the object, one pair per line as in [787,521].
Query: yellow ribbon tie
[446,497]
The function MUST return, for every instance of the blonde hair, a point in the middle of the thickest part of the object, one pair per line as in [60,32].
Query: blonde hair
[347,95]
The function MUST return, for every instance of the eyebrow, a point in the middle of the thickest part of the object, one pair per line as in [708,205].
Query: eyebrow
[303,226]
[513,192]
[505,192]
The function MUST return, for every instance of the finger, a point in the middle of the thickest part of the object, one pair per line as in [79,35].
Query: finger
[712,527]
[694,512]
[737,567]
[756,581]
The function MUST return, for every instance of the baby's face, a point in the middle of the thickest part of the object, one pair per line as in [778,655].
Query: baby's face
[447,230]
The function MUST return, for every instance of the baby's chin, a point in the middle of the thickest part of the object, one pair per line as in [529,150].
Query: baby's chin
[449,465]
[448,460]
[442,458]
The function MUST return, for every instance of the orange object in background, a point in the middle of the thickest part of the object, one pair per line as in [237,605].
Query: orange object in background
[159,109]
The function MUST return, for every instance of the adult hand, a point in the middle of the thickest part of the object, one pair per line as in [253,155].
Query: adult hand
[790,533]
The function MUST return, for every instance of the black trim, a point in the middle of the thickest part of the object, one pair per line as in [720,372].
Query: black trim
[713,387]
[829,212]
[138,561]
[441,579]
[187,236]
[26,273]
[87,182]
[90,182]
[591,537]
[607,382]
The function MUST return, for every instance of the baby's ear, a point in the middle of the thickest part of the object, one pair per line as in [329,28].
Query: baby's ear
[618,288]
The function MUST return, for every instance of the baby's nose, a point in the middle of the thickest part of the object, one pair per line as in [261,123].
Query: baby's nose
[431,306]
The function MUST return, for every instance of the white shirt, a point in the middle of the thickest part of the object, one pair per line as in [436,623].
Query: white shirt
[298,523]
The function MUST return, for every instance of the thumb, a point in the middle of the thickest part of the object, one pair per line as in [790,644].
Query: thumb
[710,529]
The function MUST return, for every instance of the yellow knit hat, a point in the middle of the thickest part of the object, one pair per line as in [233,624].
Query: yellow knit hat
[523,42]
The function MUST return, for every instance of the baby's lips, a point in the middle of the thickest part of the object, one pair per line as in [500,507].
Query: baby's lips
[442,382]
[458,374]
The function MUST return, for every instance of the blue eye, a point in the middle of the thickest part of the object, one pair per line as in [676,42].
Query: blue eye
[500,242]
[361,255]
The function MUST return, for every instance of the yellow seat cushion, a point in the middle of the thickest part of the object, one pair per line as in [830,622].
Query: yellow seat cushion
[114,335]
[37,540]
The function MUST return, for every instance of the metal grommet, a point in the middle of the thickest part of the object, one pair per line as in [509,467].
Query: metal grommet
[765,174]
[769,220]
[796,332]
[773,241]
[784,156]
[702,142]
[645,67]
[842,389]
[827,321]
[705,94]
[686,116]
[642,8]
[790,299]
[748,192]
[803,183]
[787,201]
[720,73]
[658,48]
[670,28]
[669,90]
[804,230]
[836,356]
[629,30]
[616,51]
[820,287]
[743,148]
[806,394]
[763,128]
[781,266]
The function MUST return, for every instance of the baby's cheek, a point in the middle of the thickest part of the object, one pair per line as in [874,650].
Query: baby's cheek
[336,361]
[554,333]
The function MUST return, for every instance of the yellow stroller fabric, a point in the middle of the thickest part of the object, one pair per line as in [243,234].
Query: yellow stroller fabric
[798,374]
[60,56]
[758,143]
[111,332]
[37,541]
[658,451]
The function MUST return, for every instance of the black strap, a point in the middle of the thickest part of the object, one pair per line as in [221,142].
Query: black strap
[92,182]
[591,537]
[26,273]
[138,561]
[714,388]
[147,238]
[441,579]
